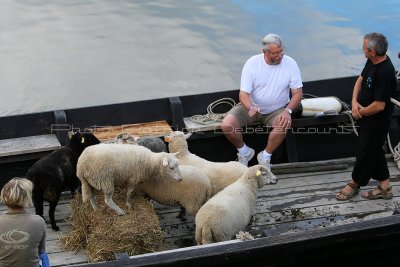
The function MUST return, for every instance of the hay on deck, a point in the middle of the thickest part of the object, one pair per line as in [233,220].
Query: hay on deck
[103,233]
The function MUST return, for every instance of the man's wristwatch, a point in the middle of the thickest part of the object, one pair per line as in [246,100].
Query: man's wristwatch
[289,110]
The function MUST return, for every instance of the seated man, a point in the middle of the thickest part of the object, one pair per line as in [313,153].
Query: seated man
[265,86]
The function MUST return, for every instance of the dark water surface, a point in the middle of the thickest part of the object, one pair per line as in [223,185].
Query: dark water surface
[59,54]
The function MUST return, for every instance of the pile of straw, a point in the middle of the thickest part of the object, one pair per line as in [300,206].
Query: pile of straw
[103,233]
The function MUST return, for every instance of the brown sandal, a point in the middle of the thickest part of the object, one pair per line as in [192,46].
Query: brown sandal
[348,195]
[384,193]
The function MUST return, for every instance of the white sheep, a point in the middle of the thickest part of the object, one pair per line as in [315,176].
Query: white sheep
[104,165]
[191,193]
[221,174]
[229,211]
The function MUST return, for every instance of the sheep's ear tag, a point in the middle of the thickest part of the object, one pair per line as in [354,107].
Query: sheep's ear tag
[83,140]
[258,173]
[167,139]
[165,161]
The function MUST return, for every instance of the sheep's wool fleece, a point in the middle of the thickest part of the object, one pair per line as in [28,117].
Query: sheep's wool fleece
[229,211]
[221,174]
[118,161]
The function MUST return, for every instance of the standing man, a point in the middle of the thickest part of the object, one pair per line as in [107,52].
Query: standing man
[371,106]
[267,79]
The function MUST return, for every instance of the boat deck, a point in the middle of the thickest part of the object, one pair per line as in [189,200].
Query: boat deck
[301,200]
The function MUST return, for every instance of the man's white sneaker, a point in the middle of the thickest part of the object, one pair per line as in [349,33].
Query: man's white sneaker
[266,163]
[245,159]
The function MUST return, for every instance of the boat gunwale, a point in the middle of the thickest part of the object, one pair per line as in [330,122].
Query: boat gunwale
[269,249]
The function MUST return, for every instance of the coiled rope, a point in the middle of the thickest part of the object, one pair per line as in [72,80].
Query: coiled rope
[351,123]
[347,111]
[212,117]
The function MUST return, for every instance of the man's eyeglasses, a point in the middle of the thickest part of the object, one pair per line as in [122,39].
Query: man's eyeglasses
[367,49]
[280,52]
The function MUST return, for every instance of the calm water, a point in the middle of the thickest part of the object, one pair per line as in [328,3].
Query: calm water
[59,54]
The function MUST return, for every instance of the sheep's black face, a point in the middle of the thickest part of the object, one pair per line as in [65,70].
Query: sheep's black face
[80,141]
[88,139]
[75,137]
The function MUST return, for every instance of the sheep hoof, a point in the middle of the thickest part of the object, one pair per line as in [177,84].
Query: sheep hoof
[55,228]
[95,206]
[121,213]
[181,215]
[244,236]
[182,218]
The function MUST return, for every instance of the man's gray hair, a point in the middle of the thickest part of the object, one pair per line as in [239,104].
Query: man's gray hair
[377,42]
[271,38]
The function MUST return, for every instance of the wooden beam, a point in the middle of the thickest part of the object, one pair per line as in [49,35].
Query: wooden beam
[147,129]
[313,246]
[28,145]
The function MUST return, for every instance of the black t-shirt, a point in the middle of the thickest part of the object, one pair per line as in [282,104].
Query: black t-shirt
[379,84]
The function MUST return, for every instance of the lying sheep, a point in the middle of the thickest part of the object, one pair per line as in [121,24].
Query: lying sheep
[230,210]
[57,171]
[191,193]
[101,166]
[221,174]
[124,138]
[155,144]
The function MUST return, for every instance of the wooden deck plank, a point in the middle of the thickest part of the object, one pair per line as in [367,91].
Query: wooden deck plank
[321,209]
[192,126]
[329,215]
[148,129]
[319,196]
[29,144]
[299,201]
[67,258]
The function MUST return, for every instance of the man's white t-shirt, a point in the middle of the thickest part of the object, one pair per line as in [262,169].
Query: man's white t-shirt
[269,85]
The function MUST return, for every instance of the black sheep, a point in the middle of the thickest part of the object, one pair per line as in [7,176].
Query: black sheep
[56,172]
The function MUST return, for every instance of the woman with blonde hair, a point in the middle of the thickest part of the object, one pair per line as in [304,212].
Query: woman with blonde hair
[22,235]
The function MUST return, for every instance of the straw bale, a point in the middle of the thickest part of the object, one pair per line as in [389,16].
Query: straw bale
[103,233]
